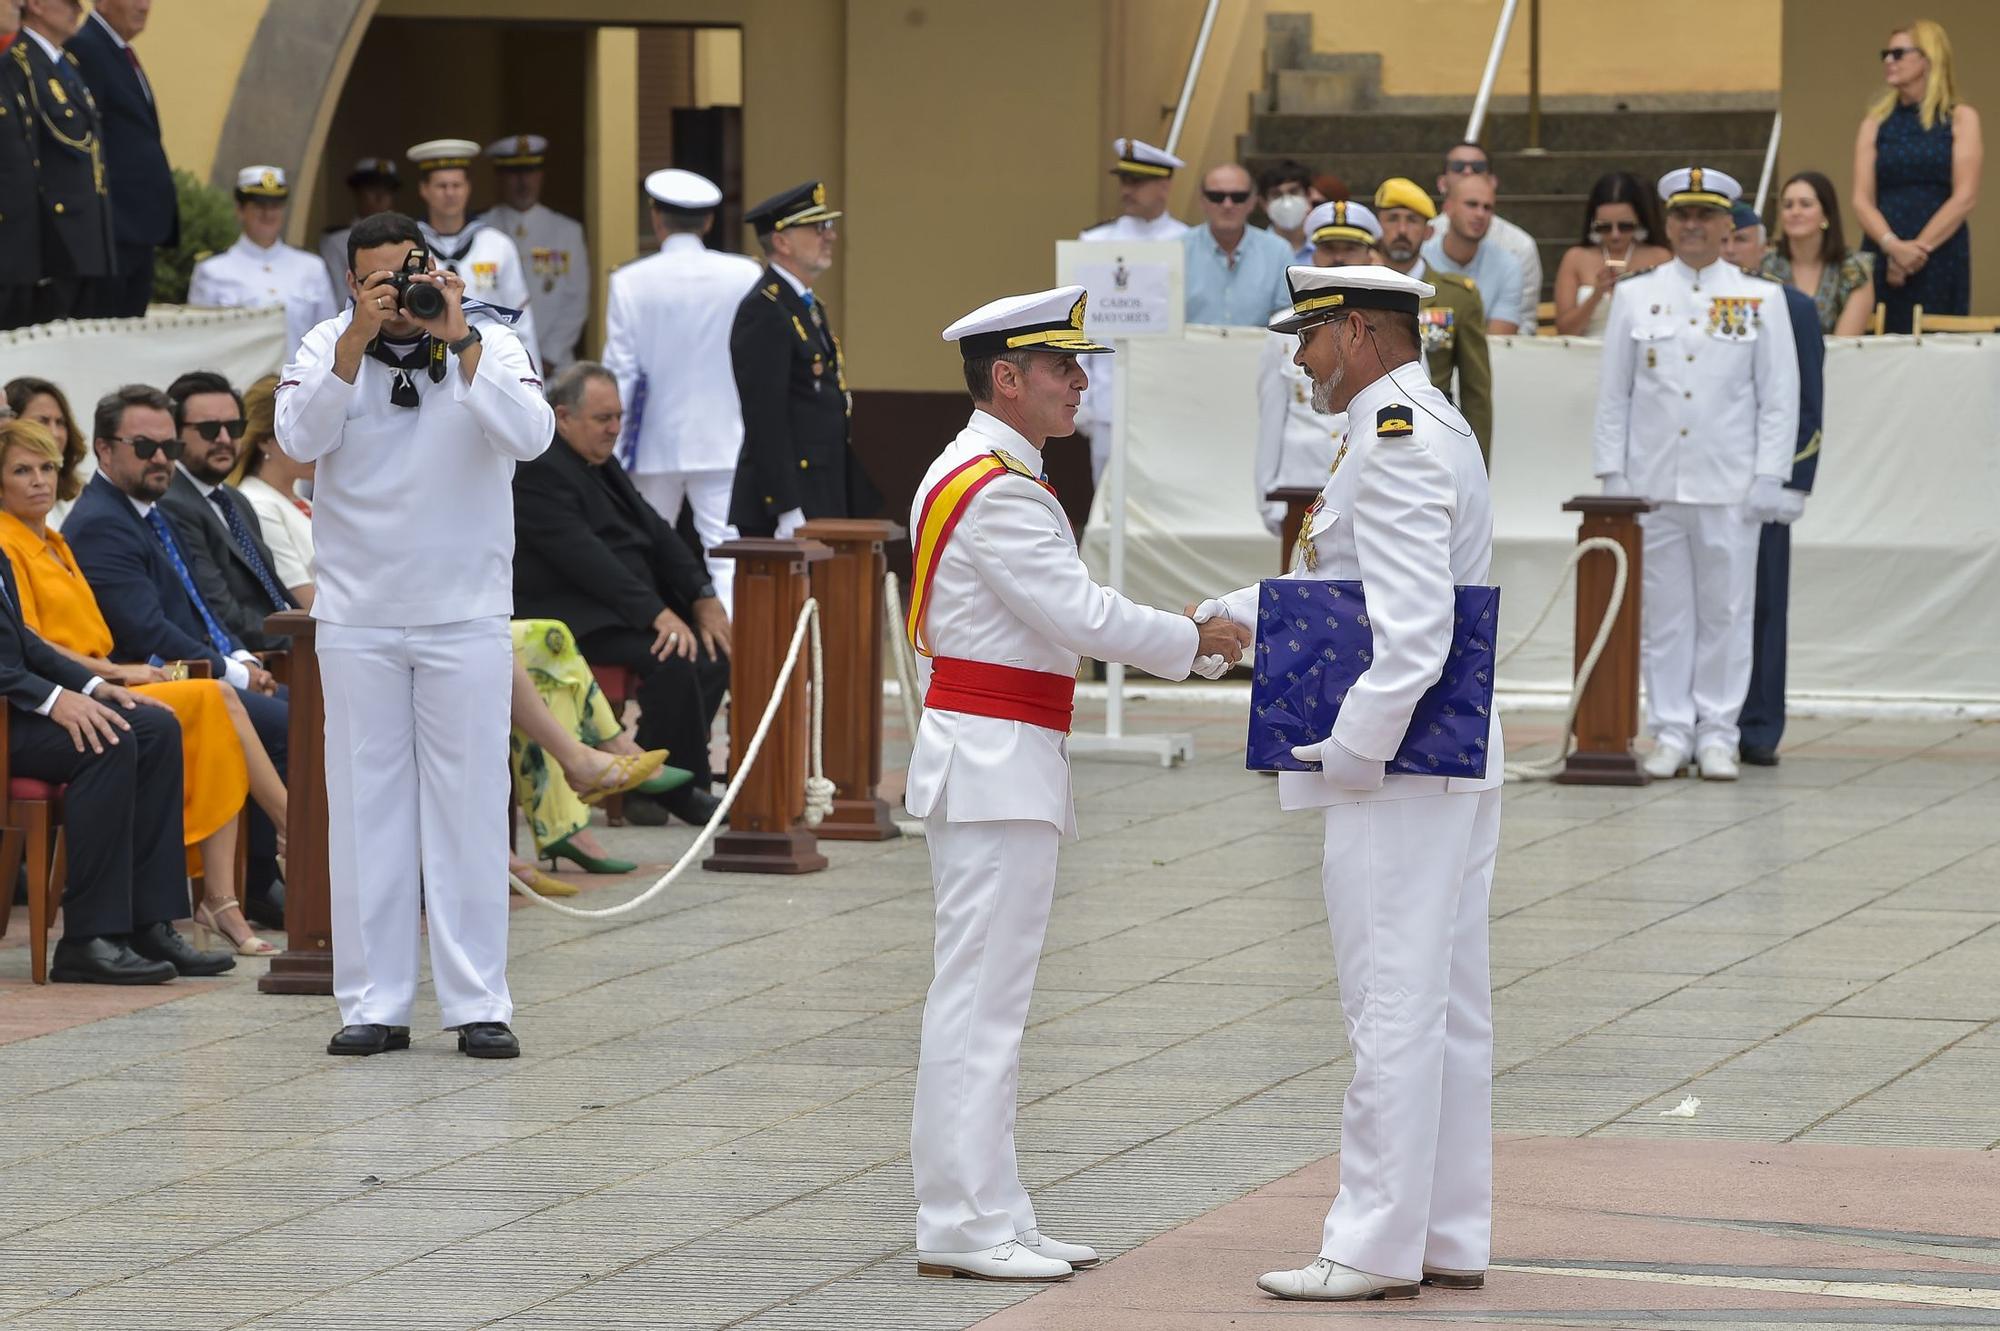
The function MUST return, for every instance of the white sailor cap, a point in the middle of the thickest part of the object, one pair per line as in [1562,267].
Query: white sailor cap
[262,182]
[518,152]
[1700,187]
[682,191]
[1342,222]
[1041,321]
[1143,160]
[442,154]
[1321,295]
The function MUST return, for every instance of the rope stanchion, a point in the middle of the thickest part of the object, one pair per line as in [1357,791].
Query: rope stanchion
[906,665]
[819,790]
[1546,769]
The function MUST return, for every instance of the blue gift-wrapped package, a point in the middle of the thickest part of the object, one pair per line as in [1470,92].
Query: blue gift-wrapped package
[1314,641]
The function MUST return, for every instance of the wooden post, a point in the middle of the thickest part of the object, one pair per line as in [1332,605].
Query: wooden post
[1295,498]
[766,832]
[849,589]
[1607,716]
[306,964]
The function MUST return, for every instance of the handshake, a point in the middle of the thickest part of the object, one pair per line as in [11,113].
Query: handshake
[1222,641]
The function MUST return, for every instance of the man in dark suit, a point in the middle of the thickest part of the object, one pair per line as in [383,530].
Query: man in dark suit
[20,208]
[220,533]
[145,210]
[119,756]
[75,213]
[141,575]
[796,461]
[590,551]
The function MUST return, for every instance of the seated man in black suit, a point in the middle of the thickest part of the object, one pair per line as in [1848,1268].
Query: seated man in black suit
[591,552]
[139,569]
[220,534]
[119,753]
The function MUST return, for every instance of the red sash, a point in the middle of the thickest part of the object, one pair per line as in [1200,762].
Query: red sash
[981,688]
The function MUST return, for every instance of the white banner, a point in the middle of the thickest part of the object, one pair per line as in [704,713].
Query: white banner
[88,358]
[1895,567]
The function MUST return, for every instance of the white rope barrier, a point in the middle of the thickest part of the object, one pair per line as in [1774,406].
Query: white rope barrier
[899,647]
[819,790]
[1547,768]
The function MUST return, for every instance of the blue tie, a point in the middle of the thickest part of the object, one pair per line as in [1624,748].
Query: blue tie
[218,637]
[239,532]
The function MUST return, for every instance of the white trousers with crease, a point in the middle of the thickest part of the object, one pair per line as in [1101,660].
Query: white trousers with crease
[1407,886]
[416,788]
[1696,621]
[708,493]
[994,884]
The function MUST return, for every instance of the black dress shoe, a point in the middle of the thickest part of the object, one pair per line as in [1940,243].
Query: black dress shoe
[159,942]
[367,1039]
[266,909]
[105,961]
[645,810]
[693,805]
[1757,755]
[488,1039]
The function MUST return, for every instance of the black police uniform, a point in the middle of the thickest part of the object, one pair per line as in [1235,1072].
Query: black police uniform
[20,204]
[75,210]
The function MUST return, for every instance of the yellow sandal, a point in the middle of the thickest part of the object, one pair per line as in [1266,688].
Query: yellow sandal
[623,773]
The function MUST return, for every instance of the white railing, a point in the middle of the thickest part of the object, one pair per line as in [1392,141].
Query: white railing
[1770,160]
[1193,72]
[1477,121]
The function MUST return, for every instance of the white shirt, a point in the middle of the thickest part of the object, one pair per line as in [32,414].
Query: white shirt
[1295,444]
[492,271]
[1409,518]
[551,249]
[1126,227]
[1526,254]
[1699,384]
[287,530]
[667,323]
[1009,588]
[245,276]
[413,508]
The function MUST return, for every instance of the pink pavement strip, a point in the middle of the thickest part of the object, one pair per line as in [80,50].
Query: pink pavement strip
[1606,1233]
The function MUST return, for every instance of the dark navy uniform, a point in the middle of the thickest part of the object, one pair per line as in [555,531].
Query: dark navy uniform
[75,210]
[792,381]
[20,209]
[1763,719]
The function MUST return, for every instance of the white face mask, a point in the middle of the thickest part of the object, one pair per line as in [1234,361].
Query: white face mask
[1287,211]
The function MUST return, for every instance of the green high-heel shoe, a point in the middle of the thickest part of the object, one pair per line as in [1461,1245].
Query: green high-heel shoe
[563,850]
[665,780]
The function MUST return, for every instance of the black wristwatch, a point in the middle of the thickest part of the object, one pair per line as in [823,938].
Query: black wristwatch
[466,343]
[706,592]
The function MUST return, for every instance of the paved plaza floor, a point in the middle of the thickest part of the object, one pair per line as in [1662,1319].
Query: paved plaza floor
[709,1127]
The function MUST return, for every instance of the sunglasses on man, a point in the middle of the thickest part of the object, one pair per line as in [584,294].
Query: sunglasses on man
[1226,195]
[1465,166]
[144,448]
[210,429]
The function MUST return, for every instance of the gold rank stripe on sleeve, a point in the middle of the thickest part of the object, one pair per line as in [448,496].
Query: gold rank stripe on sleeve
[943,507]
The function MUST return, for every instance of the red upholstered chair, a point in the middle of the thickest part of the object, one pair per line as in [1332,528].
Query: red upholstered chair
[617,684]
[30,825]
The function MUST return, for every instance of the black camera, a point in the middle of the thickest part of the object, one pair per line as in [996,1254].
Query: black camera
[420,299]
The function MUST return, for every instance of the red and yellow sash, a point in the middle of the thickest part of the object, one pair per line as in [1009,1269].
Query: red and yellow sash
[943,507]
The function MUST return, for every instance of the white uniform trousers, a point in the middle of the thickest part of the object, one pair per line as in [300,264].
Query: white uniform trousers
[994,884]
[416,792]
[1696,621]
[708,493]
[1407,885]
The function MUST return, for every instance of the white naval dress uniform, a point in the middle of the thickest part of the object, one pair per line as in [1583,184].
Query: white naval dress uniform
[1295,444]
[552,251]
[491,267]
[244,276]
[1699,394]
[994,794]
[667,323]
[413,524]
[1093,414]
[1408,869]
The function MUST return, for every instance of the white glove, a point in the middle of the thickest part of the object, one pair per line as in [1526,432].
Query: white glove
[1792,505]
[1274,518]
[790,521]
[1211,667]
[1617,483]
[1342,768]
[1766,499]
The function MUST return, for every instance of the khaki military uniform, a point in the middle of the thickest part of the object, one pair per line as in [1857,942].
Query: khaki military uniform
[1453,324]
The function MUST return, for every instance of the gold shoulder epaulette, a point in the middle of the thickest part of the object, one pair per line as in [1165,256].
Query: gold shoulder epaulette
[770,292]
[1013,464]
[1453,279]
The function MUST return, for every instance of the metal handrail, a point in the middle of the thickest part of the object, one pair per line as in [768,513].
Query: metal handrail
[1193,72]
[1770,160]
[1492,72]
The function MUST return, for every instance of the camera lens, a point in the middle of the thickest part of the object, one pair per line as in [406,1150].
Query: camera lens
[423,300]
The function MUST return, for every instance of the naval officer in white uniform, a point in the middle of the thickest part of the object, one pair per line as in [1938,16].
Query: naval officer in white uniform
[260,269]
[1408,868]
[666,337]
[1698,411]
[1002,608]
[1296,444]
[550,245]
[484,259]
[416,427]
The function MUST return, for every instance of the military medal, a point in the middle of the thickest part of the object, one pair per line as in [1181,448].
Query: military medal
[1652,359]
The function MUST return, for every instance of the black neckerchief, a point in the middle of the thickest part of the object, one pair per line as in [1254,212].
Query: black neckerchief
[426,351]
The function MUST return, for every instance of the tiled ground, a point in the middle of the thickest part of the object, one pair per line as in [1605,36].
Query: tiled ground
[710,1125]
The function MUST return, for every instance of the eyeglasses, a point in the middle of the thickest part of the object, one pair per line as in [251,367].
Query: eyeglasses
[1465,167]
[1226,195]
[819,228]
[1613,228]
[144,448]
[1898,52]
[210,429]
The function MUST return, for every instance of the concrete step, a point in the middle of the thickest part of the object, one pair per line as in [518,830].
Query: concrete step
[1566,173]
[1688,131]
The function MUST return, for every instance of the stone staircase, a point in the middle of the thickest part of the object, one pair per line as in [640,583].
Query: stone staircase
[1328,111]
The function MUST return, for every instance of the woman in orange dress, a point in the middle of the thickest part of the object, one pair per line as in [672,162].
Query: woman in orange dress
[223,759]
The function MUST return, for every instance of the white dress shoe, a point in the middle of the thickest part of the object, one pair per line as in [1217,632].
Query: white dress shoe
[1076,1254]
[1666,760]
[1718,762]
[1443,1277]
[1008,1261]
[1329,1280]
